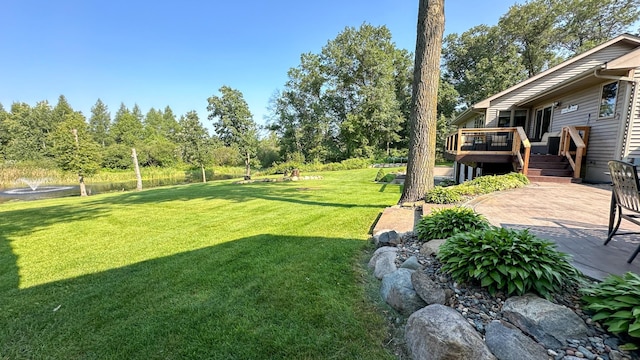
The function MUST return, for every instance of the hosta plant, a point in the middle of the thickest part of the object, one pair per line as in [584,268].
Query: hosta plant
[443,223]
[511,261]
[616,303]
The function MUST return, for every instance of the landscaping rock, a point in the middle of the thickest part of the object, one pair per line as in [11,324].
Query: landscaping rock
[376,255]
[438,332]
[411,264]
[399,293]
[431,247]
[509,343]
[427,289]
[548,323]
[387,238]
[386,264]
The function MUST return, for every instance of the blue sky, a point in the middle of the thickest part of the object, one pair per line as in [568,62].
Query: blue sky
[180,53]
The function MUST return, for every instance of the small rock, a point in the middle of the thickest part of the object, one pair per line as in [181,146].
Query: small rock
[587,353]
[411,263]
[579,354]
[551,353]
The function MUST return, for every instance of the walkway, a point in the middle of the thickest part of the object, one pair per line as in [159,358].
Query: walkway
[574,216]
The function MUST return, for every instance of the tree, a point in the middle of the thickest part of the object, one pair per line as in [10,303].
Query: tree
[99,123]
[74,149]
[422,136]
[584,24]
[4,132]
[233,123]
[195,142]
[127,129]
[480,63]
[531,27]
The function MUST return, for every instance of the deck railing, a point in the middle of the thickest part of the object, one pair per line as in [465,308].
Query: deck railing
[491,141]
[573,146]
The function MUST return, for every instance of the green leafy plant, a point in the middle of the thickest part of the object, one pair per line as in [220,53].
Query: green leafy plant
[616,302]
[379,175]
[511,261]
[443,223]
[478,186]
[388,178]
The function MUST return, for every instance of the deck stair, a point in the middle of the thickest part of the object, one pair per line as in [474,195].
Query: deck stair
[550,168]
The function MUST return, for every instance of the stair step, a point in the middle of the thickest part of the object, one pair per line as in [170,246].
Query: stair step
[553,179]
[548,165]
[546,158]
[550,172]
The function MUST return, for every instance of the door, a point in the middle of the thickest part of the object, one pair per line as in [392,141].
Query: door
[541,123]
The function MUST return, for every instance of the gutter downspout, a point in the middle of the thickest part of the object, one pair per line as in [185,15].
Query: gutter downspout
[624,131]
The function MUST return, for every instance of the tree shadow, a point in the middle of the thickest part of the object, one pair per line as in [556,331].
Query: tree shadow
[281,296]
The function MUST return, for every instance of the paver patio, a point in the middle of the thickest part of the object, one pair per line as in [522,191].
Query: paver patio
[574,216]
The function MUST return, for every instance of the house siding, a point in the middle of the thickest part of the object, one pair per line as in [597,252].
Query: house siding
[577,68]
[603,137]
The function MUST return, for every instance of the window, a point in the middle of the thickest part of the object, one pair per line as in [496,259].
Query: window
[478,122]
[520,118]
[504,118]
[608,100]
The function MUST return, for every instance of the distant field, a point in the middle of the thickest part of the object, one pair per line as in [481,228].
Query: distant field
[215,271]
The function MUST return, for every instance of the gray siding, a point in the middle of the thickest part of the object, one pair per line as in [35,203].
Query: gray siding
[567,72]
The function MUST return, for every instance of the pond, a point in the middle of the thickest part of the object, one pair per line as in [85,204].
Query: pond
[48,191]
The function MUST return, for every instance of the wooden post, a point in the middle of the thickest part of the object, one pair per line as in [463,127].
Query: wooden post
[134,155]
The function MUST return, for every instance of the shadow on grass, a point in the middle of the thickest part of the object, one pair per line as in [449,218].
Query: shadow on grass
[266,296]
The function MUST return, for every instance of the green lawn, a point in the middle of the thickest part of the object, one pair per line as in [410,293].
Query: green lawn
[214,271]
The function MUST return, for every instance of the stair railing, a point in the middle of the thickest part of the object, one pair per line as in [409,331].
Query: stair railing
[522,149]
[569,136]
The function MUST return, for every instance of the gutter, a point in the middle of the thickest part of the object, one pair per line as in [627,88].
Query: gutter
[597,73]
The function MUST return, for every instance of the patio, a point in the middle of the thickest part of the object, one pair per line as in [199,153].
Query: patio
[574,216]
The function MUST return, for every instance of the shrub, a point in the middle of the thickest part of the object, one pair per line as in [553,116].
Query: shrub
[443,223]
[389,178]
[478,186]
[616,301]
[511,261]
[443,195]
[379,175]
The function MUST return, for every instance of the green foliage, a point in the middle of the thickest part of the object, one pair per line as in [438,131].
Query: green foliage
[379,175]
[444,223]
[616,303]
[74,149]
[478,186]
[507,260]
[388,178]
[350,164]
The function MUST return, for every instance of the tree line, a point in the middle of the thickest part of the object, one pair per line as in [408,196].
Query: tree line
[352,99]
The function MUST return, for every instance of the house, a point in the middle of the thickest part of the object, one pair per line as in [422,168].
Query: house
[564,123]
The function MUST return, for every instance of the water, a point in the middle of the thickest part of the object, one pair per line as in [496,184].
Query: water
[39,191]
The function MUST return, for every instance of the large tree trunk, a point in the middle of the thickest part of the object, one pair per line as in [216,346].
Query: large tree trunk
[134,156]
[204,176]
[424,101]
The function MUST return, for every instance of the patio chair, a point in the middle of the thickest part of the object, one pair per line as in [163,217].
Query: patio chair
[625,199]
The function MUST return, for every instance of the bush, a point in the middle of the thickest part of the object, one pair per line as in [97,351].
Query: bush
[379,175]
[389,178]
[443,195]
[478,186]
[443,223]
[616,302]
[511,261]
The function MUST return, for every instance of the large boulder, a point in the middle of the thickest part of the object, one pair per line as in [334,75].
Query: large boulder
[438,332]
[548,323]
[376,255]
[399,293]
[428,289]
[509,343]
